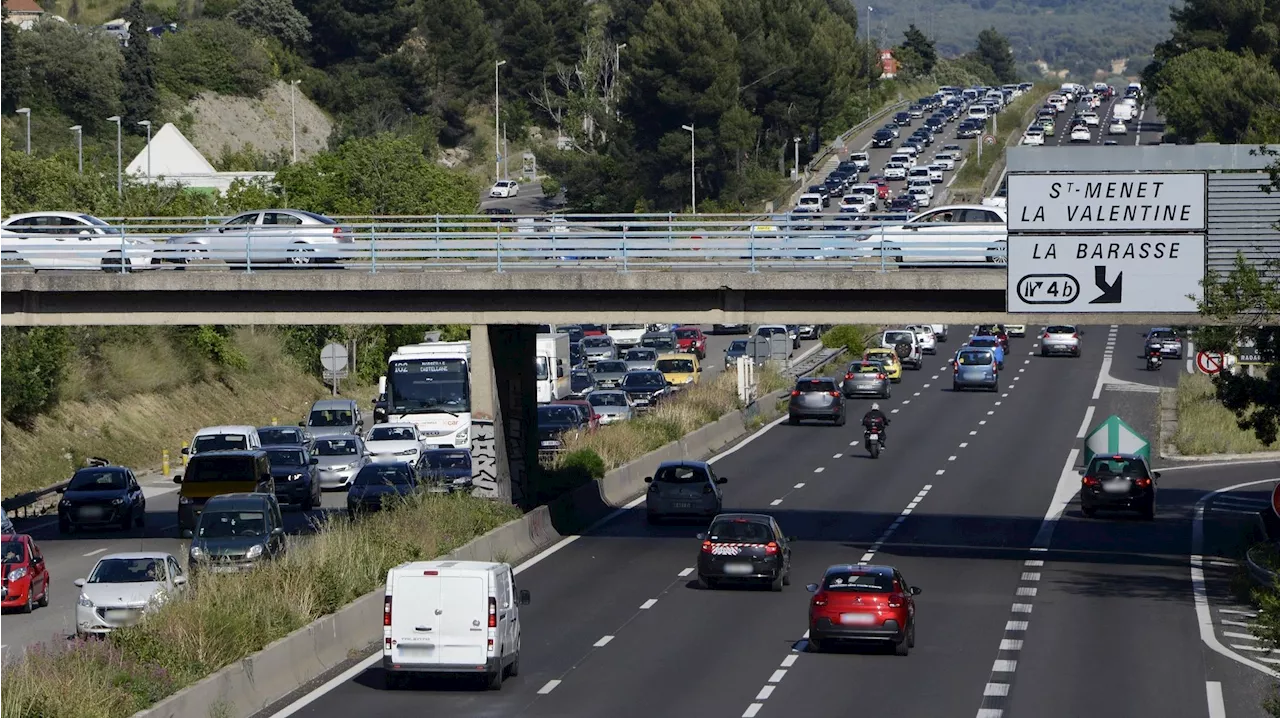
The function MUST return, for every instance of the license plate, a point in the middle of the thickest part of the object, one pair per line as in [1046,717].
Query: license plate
[857,619]
[1116,487]
[91,512]
[737,569]
[118,614]
[225,569]
[641,401]
[873,437]
[550,444]
[682,504]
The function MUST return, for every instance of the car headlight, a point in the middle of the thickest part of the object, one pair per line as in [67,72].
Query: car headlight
[344,467]
[293,477]
[17,573]
[407,452]
[65,502]
[463,437]
[84,601]
[197,552]
[254,551]
[184,500]
[688,380]
[117,501]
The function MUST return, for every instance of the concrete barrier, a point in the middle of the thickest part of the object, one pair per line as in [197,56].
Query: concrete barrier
[255,682]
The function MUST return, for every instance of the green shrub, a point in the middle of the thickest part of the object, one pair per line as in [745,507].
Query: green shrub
[850,337]
[550,187]
[216,55]
[34,365]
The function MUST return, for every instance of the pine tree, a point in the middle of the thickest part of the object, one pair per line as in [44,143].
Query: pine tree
[922,46]
[529,47]
[139,70]
[994,52]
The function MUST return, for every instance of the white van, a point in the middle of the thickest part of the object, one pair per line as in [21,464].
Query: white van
[978,112]
[458,617]
[224,438]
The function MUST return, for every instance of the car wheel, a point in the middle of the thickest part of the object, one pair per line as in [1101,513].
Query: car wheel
[815,645]
[708,583]
[300,257]
[44,597]
[112,264]
[793,421]
[495,678]
[652,519]
[141,519]
[841,420]
[886,394]
[911,635]
[903,647]
[65,527]
[513,670]
[955,386]
[29,606]
[126,523]
[786,575]
[1088,511]
[776,584]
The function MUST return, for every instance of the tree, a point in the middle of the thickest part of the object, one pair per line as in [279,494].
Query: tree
[364,30]
[993,51]
[461,47]
[528,43]
[34,364]
[138,71]
[916,42]
[274,18]
[625,18]
[76,71]
[568,21]
[1218,96]
[216,55]
[10,71]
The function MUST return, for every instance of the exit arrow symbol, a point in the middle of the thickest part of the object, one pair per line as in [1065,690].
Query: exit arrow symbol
[1110,292]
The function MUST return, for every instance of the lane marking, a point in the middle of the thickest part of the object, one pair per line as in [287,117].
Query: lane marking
[96,551]
[1247,614]
[1016,625]
[895,411]
[1033,563]
[996,689]
[764,693]
[990,413]
[1004,666]
[819,470]
[964,444]
[801,484]
[940,472]
[1011,644]
[775,502]
[836,456]
[906,401]
[1084,425]
[752,710]
[686,572]
[649,603]
[778,675]
[982,423]
[789,660]
[603,642]
[1028,576]
[1022,608]
[550,686]
[1217,707]
[951,458]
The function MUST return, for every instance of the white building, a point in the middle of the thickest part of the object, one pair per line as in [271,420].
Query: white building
[171,158]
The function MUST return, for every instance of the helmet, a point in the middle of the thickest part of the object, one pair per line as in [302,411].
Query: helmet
[875,406]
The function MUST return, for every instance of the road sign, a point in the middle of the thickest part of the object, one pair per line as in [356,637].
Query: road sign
[989,139]
[1113,436]
[331,376]
[333,357]
[1111,273]
[1210,362]
[1116,202]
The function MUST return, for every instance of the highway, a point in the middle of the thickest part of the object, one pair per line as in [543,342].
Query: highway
[1100,622]
[72,557]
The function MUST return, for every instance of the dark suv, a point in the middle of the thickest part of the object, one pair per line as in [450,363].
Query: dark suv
[816,398]
[235,532]
[1119,481]
[882,138]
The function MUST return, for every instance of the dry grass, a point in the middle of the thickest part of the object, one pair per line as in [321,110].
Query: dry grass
[227,617]
[1207,427]
[140,398]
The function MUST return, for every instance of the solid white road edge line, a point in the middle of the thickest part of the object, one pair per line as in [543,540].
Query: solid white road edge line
[1217,708]
[532,561]
[1203,616]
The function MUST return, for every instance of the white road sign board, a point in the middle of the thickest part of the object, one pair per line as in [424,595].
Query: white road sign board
[1111,202]
[1107,273]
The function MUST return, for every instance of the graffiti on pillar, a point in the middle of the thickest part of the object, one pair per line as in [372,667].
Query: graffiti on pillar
[484,459]
[513,424]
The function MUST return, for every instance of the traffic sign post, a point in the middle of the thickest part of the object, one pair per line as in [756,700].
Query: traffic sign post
[1113,436]
[1210,362]
[333,357]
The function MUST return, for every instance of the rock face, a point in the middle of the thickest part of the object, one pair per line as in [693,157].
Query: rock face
[236,122]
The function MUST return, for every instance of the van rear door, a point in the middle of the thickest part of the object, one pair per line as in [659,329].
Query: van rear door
[415,619]
[464,619]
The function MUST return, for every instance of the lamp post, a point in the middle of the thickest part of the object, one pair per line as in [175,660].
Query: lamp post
[797,140]
[119,156]
[871,74]
[293,117]
[693,166]
[497,132]
[79,146]
[26,112]
[147,124]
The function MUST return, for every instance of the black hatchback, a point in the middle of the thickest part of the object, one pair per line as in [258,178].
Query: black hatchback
[101,496]
[748,548]
[1119,481]
[816,399]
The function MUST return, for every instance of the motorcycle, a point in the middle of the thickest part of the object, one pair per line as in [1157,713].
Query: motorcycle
[1154,361]
[871,440]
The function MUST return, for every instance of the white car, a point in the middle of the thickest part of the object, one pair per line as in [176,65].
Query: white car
[949,234]
[71,240]
[918,173]
[1090,118]
[868,193]
[895,171]
[402,442]
[945,160]
[1080,133]
[923,183]
[861,160]
[264,236]
[124,586]
[935,172]
[921,196]
[809,203]
[856,203]
[1117,128]
[926,337]
[505,188]
[1034,137]
[906,159]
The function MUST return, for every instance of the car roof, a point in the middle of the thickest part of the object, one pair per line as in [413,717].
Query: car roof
[110,468]
[52,213]
[340,437]
[278,447]
[397,425]
[333,404]
[136,554]
[755,518]
[226,429]
[253,500]
[685,463]
[286,428]
[885,571]
[231,452]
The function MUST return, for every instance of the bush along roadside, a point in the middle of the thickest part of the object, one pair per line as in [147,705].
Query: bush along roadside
[226,617]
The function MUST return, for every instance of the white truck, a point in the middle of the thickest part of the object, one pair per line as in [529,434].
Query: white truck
[1124,111]
[626,336]
[552,368]
[429,385]
[451,617]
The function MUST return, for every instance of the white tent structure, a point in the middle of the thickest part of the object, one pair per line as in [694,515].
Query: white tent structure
[171,158]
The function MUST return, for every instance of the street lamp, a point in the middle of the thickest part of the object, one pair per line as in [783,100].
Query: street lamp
[693,166]
[617,68]
[497,132]
[79,146]
[293,117]
[119,161]
[147,124]
[26,111]
[871,74]
[797,139]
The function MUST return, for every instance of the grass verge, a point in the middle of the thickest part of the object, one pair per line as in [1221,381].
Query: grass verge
[1205,426]
[973,174]
[225,618]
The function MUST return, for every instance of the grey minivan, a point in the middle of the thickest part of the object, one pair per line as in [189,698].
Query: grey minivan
[333,417]
[975,368]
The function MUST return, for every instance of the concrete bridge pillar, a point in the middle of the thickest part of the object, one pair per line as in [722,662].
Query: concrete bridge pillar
[504,411]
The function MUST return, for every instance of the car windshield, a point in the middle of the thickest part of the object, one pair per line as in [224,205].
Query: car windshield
[220,442]
[675,366]
[665,342]
[596,342]
[770,331]
[641,355]
[541,372]
[1061,329]
[392,433]
[389,474]
[625,327]
[898,337]
[336,447]
[14,551]
[127,570]
[982,342]
[558,415]
[279,435]
[738,345]
[581,380]
[739,531]
[865,368]
[1117,467]
[97,481]
[330,417]
[1162,334]
[607,399]
[286,457]
[449,460]
[643,380]
[686,333]
[212,468]
[221,524]
[858,582]
[808,385]
[975,358]
[611,367]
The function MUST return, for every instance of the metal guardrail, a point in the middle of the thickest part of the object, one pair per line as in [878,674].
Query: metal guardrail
[751,244]
[1261,576]
[30,498]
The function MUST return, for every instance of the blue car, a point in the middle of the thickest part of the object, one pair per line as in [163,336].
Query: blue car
[975,368]
[988,342]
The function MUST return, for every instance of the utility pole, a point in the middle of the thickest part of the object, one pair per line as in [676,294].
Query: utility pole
[497,131]
[693,166]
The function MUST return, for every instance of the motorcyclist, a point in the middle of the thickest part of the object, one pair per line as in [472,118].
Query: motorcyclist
[876,419]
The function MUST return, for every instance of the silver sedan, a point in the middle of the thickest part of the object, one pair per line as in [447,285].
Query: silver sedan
[269,236]
[340,459]
[612,405]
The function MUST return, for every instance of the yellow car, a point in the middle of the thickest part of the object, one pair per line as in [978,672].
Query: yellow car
[680,369]
[887,357]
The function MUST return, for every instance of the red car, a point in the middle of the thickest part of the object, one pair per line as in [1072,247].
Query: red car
[26,578]
[863,603]
[882,186]
[691,340]
[584,406]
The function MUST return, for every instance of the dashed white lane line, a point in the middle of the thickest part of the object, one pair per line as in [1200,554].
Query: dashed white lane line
[951,458]
[603,642]
[550,686]
[789,660]
[895,411]
[982,423]
[686,572]
[1217,707]
[916,394]
[906,401]
[649,603]
[775,502]
[764,693]
[801,484]
[752,710]
[819,470]
[990,413]
[940,472]
[778,675]
[836,456]
[973,433]
[964,445]
[1084,425]
[927,386]
[998,403]
[95,552]
[935,376]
